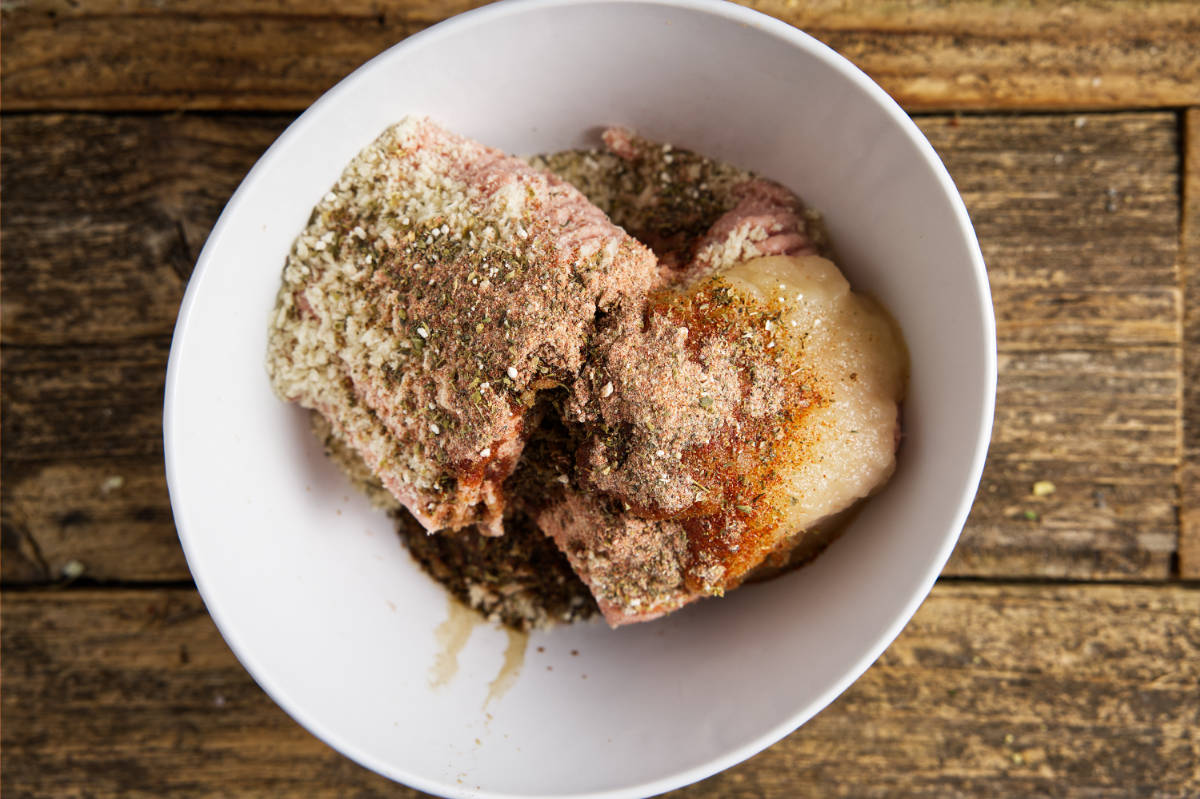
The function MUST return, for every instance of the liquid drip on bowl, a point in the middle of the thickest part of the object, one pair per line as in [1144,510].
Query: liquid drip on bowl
[451,637]
[514,659]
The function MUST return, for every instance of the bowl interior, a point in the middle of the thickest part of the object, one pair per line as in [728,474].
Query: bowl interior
[315,593]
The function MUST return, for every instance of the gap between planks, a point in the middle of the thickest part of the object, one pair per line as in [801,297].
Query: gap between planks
[1189,474]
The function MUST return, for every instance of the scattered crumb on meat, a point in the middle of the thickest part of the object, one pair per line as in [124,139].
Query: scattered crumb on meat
[586,434]
[437,288]
[666,197]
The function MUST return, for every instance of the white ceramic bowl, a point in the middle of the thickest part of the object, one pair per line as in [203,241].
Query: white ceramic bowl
[314,592]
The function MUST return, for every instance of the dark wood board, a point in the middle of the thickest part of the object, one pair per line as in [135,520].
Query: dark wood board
[991,691]
[1077,216]
[282,54]
[1057,657]
[1082,243]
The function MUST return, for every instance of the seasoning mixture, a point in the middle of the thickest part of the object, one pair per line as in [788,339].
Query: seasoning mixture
[494,357]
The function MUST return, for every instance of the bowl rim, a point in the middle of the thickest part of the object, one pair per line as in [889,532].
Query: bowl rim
[482,16]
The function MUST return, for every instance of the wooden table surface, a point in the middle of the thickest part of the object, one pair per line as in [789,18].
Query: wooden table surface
[1059,655]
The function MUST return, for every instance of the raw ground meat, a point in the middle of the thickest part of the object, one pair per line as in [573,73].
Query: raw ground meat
[507,360]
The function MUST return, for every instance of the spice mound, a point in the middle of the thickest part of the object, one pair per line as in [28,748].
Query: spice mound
[617,379]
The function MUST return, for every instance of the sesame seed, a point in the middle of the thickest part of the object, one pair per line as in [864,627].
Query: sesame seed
[1043,488]
[433,428]
[422,332]
[512,373]
[486,452]
[607,390]
[484,386]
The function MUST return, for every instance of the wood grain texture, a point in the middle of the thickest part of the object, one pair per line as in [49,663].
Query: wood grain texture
[69,404]
[155,705]
[281,54]
[1081,240]
[991,691]
[1090,226]
[82,467]
[1077,216]
[1099,425]
[1189,532]
[1104,520]
[109,517]
[104,216]
[1088,395]
[1078,220]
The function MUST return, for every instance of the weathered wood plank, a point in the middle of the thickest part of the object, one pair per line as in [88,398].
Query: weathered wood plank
[82,471]
[81,480]
[1101,405]
[1089,410]
[1080,235]
[110,518]
[104,216]
[990,691]
[1079,223]
[1189,532]
[76,402]
[1103,520]
[987,54]
[156,705]
[1006,691]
